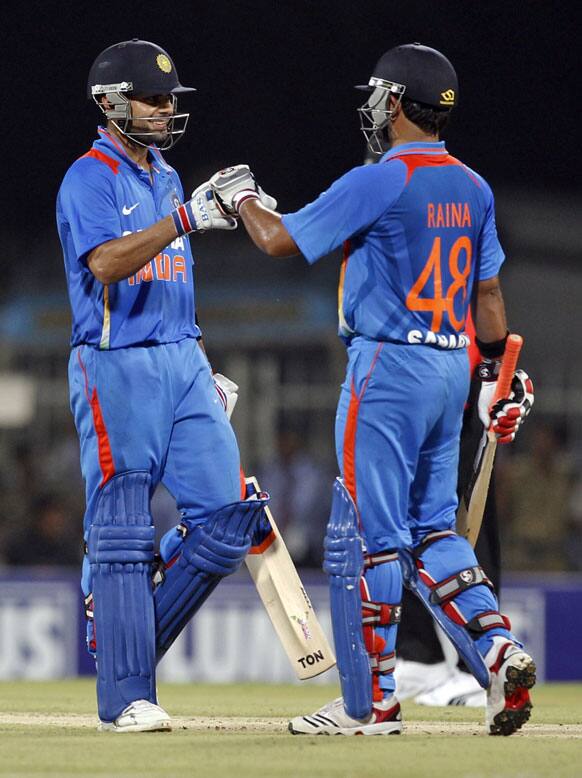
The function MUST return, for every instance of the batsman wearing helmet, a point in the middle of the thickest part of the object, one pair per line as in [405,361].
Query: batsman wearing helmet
[142,393]
[420,242]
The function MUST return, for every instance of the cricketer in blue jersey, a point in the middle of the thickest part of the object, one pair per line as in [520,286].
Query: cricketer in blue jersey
[142,392]
[419,244]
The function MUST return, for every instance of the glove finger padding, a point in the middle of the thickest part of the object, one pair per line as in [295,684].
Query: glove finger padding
[509,413]
[207,211]
[234,185]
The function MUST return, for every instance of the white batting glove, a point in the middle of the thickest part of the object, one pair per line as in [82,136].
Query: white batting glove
[202,213]
[508,413]
[227,391]
[234,185]
[487,371]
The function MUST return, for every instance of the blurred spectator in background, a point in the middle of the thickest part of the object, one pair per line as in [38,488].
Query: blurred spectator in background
[300,497]
[574,545]
[535,490]
[48,537]
[59,471]
[17,486]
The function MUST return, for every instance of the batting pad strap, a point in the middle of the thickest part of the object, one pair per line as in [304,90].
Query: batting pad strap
[380,614]
[428,540]
[383,664]
[487,620]
[444,591]
[89,606]
[380,558]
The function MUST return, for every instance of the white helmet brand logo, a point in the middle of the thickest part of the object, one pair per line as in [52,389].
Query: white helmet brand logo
[447,97]
[164,63]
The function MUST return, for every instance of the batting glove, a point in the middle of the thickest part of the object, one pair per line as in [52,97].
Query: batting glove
[202,213]
[508,413]
[227,391]
[235,185]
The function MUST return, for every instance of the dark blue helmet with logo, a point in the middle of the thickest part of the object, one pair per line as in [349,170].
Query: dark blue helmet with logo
[132,70]
[414,71]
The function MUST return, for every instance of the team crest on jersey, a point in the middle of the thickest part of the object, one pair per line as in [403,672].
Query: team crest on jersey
[447,97]
[164,63]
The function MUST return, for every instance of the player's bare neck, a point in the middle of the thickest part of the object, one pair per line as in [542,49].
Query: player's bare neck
[137,153]
[415,137]
[404,131]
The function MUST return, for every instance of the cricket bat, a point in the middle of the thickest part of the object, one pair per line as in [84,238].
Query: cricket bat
[470,512]
[287,602]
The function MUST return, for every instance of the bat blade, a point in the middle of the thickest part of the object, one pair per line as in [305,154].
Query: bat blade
[288,604]
[472,505]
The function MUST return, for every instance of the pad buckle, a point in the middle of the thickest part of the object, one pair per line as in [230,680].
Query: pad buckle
[446,590]
[380,614]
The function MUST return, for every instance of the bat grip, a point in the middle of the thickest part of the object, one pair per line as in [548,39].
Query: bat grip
[510,357]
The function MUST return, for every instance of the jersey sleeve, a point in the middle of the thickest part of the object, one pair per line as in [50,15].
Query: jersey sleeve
[351,204]
[87,203]
[491,255]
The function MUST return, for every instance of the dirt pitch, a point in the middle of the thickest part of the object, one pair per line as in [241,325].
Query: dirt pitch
[255,725]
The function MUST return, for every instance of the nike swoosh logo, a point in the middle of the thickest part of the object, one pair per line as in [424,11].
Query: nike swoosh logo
[126,211]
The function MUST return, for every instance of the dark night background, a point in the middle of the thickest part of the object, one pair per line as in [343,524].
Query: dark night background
[274,81]
[275,90]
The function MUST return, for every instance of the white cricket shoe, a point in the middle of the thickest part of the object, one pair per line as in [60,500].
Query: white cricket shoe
[332,719]
[139,716]
[414,678]
[513,673]
[458,689]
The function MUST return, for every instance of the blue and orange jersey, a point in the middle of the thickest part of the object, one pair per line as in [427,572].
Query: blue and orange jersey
[105,195]
[417,228]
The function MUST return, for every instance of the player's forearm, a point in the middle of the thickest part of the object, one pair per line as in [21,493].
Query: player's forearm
[122,257]
[266,230]
[489,312]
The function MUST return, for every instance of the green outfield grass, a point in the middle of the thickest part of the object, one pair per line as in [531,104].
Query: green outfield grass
[48,729]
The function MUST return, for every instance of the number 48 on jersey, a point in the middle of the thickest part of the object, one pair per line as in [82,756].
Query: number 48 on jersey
[436,275]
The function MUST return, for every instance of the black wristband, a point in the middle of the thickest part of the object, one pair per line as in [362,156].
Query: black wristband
[492,350]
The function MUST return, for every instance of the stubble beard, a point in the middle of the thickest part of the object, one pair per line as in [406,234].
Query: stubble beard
[140,133]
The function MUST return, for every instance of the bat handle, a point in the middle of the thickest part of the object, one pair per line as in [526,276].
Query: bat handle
[512,349]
